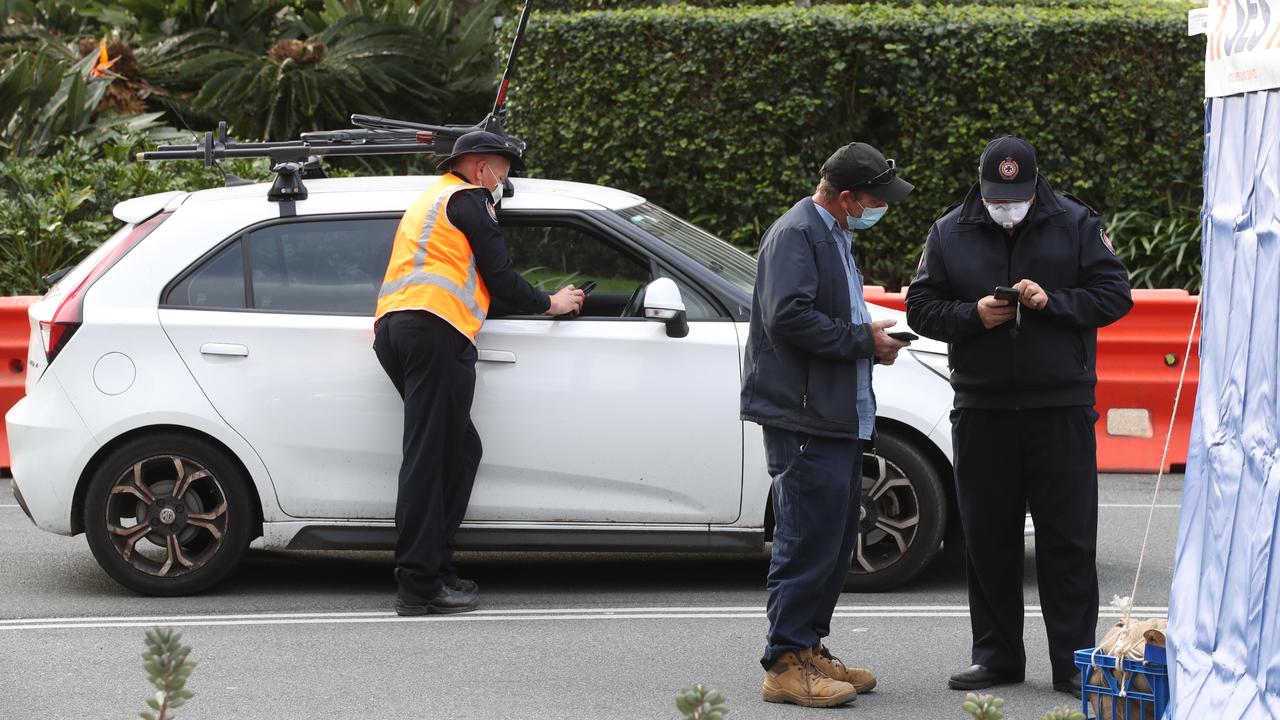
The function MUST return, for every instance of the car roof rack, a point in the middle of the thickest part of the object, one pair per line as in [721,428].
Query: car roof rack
[292,161]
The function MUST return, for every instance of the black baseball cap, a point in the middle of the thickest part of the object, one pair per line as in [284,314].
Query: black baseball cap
[1008,169]
[858,166]
[483,142]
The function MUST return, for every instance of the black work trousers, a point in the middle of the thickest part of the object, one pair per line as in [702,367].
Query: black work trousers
[433,367]
[817,502]
[1007,461]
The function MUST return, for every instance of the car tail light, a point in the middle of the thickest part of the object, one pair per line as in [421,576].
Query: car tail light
[70,313]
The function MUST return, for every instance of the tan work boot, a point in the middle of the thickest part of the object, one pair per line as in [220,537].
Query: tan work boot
[795,679]
[864,681]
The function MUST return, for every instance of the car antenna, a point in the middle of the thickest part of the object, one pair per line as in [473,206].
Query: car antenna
[294,160]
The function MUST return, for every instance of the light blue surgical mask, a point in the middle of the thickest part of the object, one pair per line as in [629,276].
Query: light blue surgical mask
[870,216]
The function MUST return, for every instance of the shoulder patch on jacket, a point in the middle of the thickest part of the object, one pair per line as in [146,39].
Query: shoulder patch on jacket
[1106,240]
[1078,201]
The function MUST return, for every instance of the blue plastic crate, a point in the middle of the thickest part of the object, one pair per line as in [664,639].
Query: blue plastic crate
[1126,702]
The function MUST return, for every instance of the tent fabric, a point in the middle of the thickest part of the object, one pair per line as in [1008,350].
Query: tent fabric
[1224,615]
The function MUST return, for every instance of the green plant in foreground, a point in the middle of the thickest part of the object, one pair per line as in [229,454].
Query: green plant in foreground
[168,669]
[699,703]
[987,707]
[1060,713]
[983,707]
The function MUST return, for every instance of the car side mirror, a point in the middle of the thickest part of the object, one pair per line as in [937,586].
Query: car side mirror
[662,302]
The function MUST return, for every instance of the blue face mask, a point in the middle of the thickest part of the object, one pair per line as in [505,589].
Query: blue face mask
[870,216]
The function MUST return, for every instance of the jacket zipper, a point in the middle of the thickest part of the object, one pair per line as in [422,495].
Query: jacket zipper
[1010,241]
[804,398]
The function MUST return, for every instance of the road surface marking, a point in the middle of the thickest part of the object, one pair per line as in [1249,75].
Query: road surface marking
[571,614]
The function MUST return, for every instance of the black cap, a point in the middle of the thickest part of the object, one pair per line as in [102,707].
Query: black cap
[1008,169]
[484,142]
[858,166]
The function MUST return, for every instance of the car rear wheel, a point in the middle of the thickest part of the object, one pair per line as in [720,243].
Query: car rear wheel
[168,514]
[904,511]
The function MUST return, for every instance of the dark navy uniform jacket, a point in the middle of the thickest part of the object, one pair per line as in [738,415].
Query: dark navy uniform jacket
[1050,360]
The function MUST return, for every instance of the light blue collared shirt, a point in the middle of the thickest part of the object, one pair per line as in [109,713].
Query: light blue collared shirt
[860,316]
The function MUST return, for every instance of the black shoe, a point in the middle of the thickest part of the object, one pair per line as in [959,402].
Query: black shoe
[1070,687]
[461,585]
[977,677]
[445,602]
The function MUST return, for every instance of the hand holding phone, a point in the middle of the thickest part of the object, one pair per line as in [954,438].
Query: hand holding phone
[1013,297]
[1006,293]
[998,308]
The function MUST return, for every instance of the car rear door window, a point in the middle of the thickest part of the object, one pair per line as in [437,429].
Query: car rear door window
[216,284]
[333,267]
[327,266]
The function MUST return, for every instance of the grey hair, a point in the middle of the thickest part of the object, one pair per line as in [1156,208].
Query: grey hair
[826,192]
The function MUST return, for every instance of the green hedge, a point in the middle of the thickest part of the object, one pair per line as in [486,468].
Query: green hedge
[725,116]
[55,210]
[583,5]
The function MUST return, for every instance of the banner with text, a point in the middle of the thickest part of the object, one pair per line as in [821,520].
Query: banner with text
[1243,52]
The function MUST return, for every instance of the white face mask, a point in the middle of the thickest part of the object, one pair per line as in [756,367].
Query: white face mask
[496,192]
[1008,215]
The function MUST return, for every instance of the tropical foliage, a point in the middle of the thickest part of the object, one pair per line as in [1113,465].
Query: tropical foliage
[54,210]
[273,69]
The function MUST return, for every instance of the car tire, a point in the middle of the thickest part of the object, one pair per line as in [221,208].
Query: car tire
[168,514]
[904,516]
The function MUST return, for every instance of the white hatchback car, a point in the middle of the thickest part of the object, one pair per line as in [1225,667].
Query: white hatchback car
[205,379]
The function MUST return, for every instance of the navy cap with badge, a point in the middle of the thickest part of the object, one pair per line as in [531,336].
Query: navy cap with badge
[1008,169]
[858,166]
[483,142]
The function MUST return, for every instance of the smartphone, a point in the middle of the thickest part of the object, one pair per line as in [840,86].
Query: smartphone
[903,336]
[1006,293]
[588,286]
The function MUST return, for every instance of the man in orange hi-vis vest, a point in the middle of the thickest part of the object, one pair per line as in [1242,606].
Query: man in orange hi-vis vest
[447,259]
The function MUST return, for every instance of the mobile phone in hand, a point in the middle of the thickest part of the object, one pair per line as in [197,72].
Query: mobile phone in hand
[903,336]
[588,286]
[1006,293]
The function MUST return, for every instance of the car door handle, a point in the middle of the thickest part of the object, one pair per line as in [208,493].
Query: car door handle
[501,356]
[230,349]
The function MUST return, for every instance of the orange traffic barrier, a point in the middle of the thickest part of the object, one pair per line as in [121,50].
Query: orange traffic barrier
[1140,360]
[883,298]
[15,333]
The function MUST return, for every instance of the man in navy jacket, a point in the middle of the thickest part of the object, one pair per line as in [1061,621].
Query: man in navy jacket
[1023,424]
[807,380]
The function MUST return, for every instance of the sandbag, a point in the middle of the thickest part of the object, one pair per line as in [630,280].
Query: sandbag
[1124,643]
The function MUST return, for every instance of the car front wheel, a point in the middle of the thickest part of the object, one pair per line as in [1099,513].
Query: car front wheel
[168,514]
[904,511]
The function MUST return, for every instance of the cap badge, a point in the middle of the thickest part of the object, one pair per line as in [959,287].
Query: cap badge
[1009,169]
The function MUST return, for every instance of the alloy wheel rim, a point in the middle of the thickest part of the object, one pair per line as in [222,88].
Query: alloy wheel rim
[890,517]
[166,515]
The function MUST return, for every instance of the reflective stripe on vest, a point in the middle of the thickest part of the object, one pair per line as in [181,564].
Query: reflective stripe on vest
[432,267]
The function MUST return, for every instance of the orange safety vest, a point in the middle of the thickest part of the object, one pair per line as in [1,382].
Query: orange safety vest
[432,267]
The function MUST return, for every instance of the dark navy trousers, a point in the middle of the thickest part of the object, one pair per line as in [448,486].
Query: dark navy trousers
[817,499]
[1044,460]
[433,367]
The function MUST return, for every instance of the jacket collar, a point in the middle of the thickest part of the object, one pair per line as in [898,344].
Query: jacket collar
[811,213]
[973,212]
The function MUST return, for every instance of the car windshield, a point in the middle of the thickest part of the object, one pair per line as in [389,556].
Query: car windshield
[708,250]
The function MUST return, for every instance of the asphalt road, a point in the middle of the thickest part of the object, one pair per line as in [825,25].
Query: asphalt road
[312,635]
